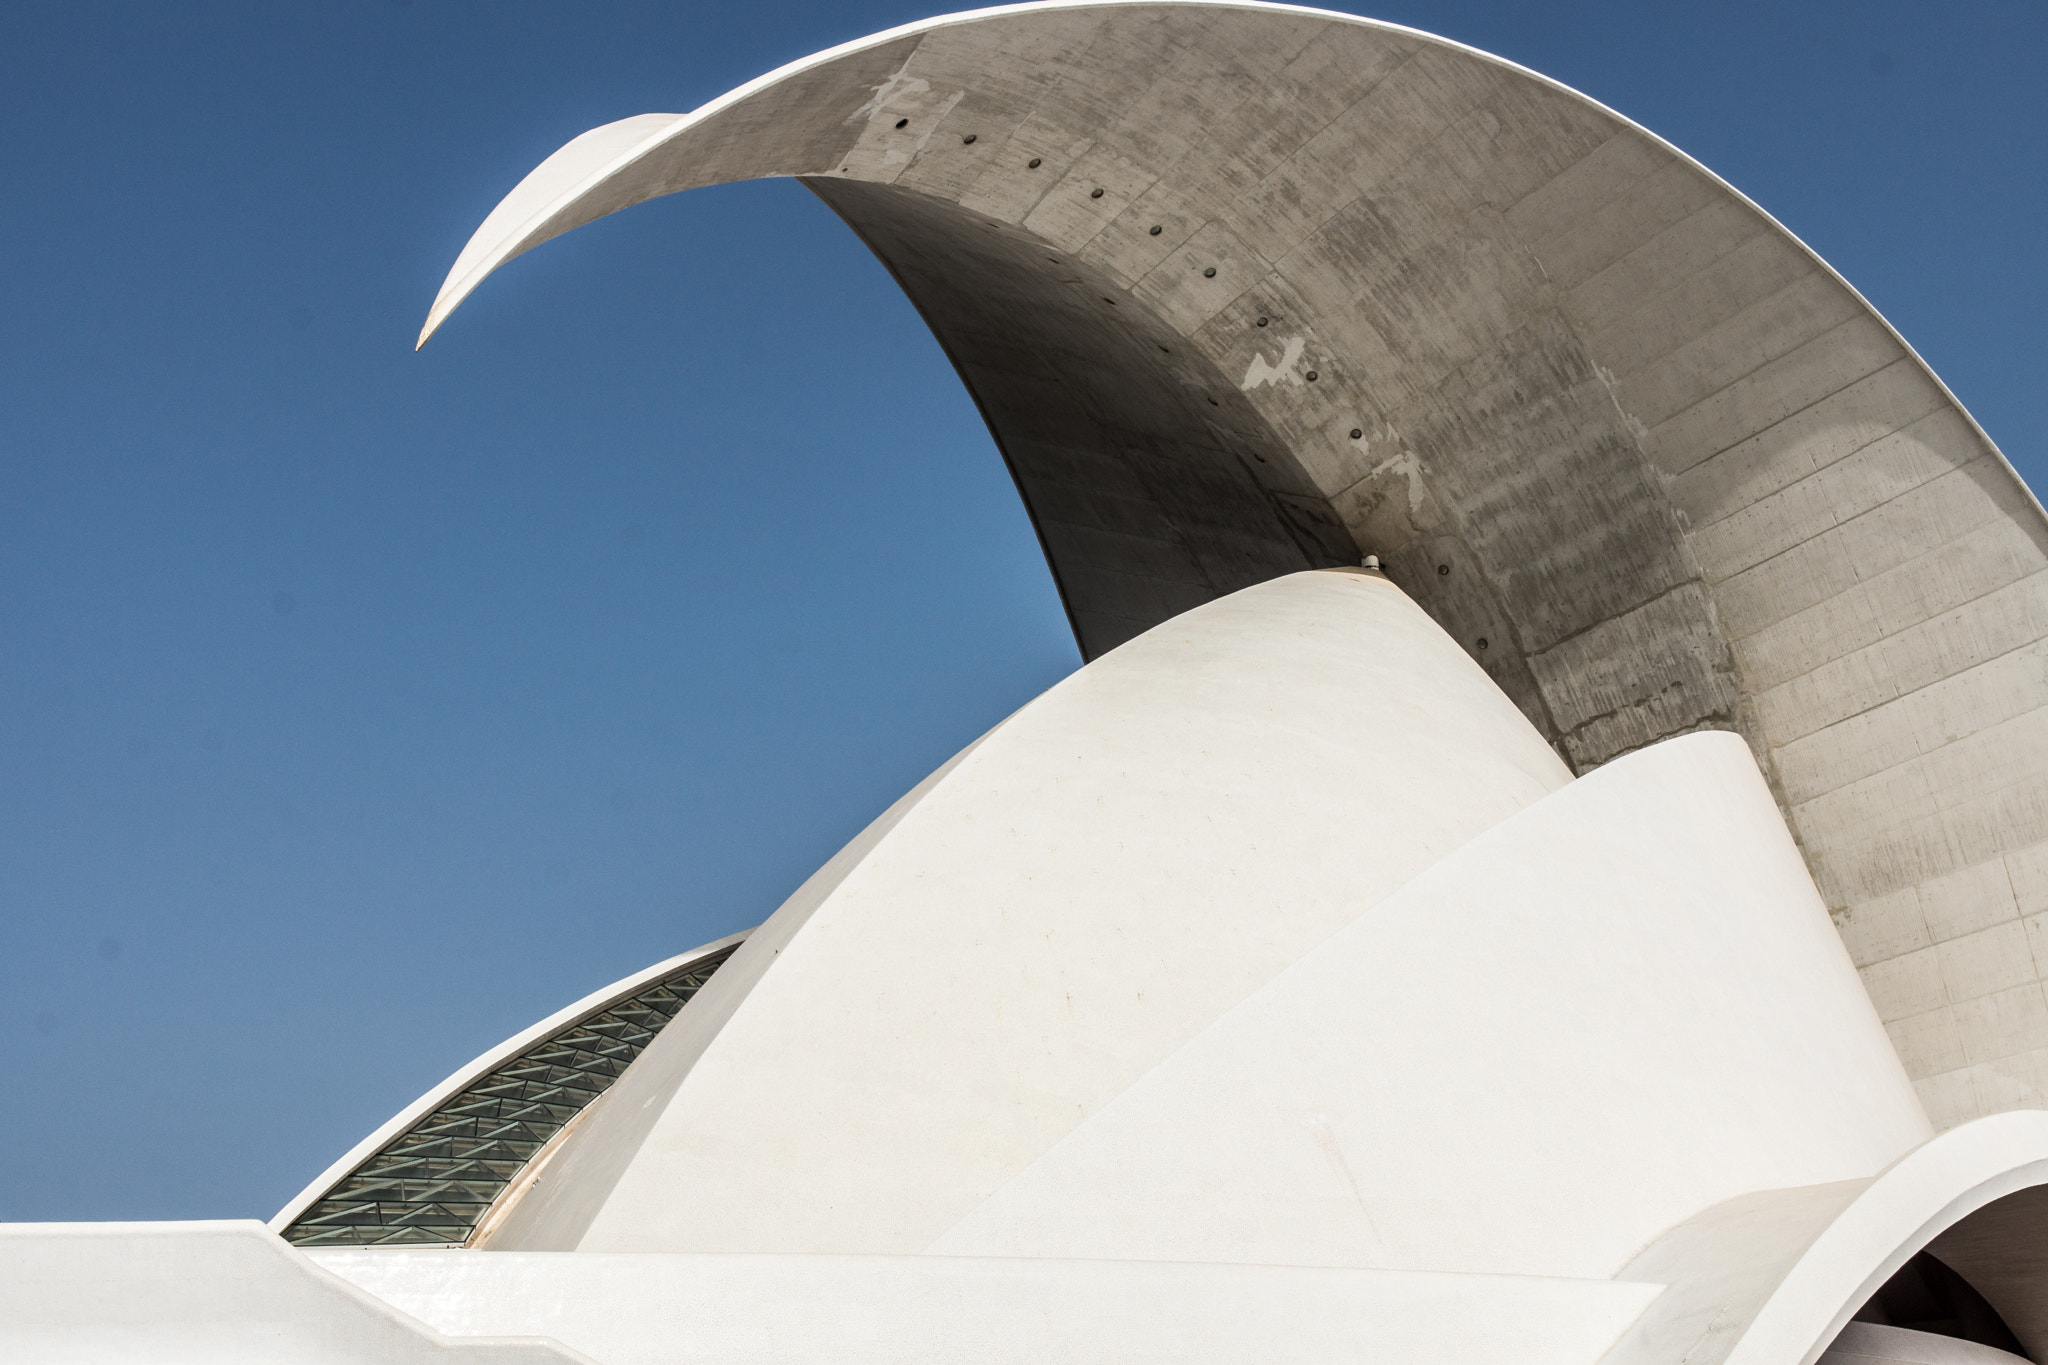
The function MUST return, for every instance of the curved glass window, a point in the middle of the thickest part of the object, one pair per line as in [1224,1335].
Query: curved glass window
[431,1185]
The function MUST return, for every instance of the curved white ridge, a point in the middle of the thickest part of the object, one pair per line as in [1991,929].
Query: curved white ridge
[2000,1252]
[1773,1277]
[1609,1012]
[582,162]
[1108,871]
[1923,1194]
[549,201]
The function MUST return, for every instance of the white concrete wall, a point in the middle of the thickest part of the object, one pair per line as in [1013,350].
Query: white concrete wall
[1599,1085]
[1108,871]
[214,1293]
[1613,1010]
[667,1309]
[1721,1267]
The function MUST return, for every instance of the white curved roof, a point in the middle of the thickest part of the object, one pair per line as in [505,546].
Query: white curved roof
[1244,289]
[1266,980]
[1044,921]
[1608,1012]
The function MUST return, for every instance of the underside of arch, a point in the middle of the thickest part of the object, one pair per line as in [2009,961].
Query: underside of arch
[1155,485]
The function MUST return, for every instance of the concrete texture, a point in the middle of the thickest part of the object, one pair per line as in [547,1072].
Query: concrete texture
[1641,453]
[1868,1343]
[1999,1249]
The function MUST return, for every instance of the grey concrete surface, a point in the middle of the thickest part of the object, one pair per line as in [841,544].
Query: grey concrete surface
[1640,451]
[1867,1343]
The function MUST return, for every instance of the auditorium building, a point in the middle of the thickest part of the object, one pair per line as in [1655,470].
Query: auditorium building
[1545,861]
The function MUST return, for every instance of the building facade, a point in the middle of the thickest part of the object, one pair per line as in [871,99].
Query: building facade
[1542,861]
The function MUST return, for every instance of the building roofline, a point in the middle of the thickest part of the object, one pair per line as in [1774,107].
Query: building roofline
[470,1072]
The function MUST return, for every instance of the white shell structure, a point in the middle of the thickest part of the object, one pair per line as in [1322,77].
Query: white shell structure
[1595,932]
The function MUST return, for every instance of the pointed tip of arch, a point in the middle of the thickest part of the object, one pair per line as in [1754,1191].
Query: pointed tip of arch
[553,198]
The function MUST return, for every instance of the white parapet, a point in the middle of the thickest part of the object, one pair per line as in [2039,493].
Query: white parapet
[673,1309]
[210,1293]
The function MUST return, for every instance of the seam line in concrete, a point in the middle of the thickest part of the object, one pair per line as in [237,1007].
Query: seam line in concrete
[1871,511]
[1941,405]
[1824,334]
[1985,662]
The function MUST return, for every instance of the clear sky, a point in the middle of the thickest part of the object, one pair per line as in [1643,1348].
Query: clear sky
[359,708]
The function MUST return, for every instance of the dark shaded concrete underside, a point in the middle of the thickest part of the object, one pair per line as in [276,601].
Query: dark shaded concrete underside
[1154,485]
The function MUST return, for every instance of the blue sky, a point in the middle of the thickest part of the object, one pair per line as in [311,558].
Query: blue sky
[358,708]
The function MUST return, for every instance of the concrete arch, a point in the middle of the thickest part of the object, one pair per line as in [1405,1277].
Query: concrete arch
[1934,1196]
[1775,1276]
[1640,451]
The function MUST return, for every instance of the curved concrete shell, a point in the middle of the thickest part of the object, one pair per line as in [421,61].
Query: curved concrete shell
[1325,972]
[1505,1066]
[1245,289]
[1203,1002]
[1044,922]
